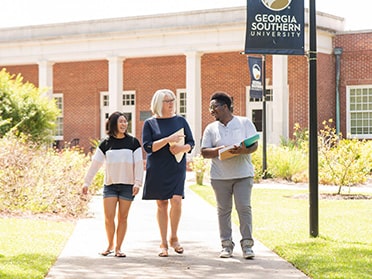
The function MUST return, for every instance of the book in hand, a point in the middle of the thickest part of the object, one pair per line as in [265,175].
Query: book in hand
[225,153]
[179,156]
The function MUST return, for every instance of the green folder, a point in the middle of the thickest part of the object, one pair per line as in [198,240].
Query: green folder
[249,141]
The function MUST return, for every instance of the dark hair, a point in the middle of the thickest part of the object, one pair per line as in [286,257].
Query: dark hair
[112,123]
[223,98]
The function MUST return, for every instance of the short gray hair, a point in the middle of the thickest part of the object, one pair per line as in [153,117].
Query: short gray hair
[157,101]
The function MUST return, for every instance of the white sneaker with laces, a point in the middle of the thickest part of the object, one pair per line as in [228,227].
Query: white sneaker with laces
[227,249]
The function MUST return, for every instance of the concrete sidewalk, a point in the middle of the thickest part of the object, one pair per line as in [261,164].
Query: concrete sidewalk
[198,234]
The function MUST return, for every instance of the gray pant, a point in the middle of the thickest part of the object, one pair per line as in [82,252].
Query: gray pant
[241,190]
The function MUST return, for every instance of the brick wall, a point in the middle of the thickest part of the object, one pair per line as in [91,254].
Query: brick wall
[30,73]
[326,87]
[298,80]
[226,72]
[146,75]
[298,92]
[81,84]
[356,65]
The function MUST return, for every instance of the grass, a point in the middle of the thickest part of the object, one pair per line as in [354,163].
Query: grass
[343,248]
[29,247]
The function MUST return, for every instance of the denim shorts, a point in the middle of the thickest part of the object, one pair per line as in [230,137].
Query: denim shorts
[121,191]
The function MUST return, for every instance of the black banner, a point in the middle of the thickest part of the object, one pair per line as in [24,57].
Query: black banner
[255,68]
[275,27]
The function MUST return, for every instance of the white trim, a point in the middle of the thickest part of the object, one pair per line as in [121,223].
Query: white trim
[250,106]
[348,112]
[178,93]
[60,95]
[104,112]
[132,110]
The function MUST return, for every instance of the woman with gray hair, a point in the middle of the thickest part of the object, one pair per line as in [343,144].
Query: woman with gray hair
[166,137]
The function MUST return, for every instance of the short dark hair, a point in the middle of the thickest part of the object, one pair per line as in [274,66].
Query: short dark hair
[112,123]
[222,98]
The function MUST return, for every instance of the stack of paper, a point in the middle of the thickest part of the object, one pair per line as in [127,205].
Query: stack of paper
[179,156]
[225,153]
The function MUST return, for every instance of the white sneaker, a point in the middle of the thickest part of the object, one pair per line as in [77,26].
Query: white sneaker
[246,245]
[248,253]
[227,249]
[226,252]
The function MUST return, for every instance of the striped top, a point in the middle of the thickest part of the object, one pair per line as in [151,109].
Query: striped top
[123,159]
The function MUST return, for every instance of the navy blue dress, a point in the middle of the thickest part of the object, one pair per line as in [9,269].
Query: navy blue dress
[165,177]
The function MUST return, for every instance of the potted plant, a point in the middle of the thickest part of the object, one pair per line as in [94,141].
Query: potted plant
[199,165]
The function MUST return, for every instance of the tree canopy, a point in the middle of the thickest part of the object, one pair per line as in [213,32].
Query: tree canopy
[26,109]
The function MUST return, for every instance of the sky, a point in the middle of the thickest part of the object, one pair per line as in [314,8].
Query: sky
[17,13]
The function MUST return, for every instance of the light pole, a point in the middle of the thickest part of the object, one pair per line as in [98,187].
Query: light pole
[313,125]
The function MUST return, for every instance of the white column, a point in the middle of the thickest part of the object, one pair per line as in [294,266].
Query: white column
[46,76]
[194,100]
[115,83]
[281,99]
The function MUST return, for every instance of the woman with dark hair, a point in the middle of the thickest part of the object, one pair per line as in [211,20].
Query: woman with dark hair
[122,154]
[166,137]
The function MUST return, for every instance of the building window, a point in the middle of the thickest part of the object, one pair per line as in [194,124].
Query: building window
[256,111]
[269,96]
[359,112]
[181,102]
[129,99]
[105,100]
[59,127]
[257,119]
[127,106]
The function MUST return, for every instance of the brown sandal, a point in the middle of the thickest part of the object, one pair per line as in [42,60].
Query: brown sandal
[120,254]
[107,252]
[164,252]
[176,245]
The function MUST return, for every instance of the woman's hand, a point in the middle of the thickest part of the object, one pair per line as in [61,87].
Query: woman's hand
[135,190]
[174,138]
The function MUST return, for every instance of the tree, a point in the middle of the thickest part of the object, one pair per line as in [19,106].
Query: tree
[25,109]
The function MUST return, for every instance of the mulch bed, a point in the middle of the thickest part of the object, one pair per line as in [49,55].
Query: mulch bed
[39,216]
[334,196]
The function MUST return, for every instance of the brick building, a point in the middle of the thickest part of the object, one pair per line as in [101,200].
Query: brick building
[95,67]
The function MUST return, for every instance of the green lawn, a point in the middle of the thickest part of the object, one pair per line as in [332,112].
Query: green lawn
[29,247]
[343,248]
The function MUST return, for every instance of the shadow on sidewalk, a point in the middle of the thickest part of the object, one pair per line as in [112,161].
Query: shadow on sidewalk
[198,234]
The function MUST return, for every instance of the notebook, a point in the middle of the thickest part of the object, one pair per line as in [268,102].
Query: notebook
[178,156]
[224,153]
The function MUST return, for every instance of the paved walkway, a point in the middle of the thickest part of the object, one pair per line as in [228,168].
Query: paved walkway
[198,234]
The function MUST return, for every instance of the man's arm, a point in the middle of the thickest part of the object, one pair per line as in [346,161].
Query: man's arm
[211,152]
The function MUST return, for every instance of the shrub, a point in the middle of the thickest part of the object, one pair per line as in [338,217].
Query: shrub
[37,179]
[25,110]
[343,162]
[285,162]
[199,164]
[299,140]
[366,156]
[256,158]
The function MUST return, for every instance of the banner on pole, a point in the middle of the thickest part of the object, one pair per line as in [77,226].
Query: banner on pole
[275,27]
[255,68]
